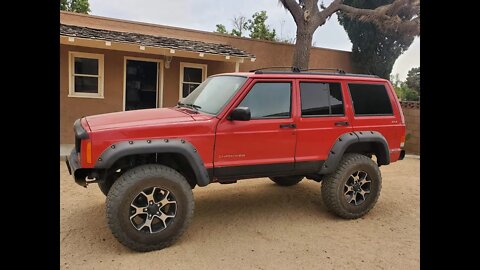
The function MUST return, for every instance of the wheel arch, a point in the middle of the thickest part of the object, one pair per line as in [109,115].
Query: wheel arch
[362,142]
[162,151]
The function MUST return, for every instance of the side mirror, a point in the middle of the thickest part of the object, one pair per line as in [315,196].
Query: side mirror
[240,114]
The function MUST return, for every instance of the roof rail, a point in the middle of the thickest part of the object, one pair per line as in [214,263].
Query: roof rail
[296,70]
[341,71]
[293,68]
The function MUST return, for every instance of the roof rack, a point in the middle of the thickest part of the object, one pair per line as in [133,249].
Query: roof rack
[296,70]
[292,68]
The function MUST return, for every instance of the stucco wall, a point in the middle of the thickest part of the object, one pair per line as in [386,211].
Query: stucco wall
[72,108]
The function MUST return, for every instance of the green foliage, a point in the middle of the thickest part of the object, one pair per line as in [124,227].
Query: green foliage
[79,6]
[258,28]
[373,52]
[235,32]
[221,29]
[413,79]
[402,90]
[63,5]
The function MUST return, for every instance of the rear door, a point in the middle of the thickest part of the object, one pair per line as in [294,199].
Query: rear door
[322,119]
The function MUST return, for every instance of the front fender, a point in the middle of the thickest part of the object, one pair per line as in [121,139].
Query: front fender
[126,148]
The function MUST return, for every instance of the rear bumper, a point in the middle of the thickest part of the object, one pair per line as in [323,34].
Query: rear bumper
[73,166]
[402,155]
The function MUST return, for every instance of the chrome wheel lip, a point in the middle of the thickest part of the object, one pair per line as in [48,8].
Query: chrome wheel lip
[357,187]
[152,210]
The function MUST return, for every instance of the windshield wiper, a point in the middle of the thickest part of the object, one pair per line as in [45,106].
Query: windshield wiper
[193,106]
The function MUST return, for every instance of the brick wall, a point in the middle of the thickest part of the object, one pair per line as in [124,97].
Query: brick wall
[411,111]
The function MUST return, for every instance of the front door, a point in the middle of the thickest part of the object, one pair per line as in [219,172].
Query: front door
[266,143]
[141,84]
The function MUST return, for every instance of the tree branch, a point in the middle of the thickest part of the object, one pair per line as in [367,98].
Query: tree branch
[327,12]
[387,17]
[294,8]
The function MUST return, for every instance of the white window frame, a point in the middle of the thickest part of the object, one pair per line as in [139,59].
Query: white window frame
[184,65]
[71,75]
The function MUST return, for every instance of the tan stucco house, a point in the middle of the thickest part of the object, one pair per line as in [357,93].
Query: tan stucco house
[109,65]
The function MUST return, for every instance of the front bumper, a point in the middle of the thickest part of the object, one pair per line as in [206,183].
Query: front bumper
[73,166]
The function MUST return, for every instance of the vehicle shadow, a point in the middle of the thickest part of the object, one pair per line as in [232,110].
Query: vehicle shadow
[222,212]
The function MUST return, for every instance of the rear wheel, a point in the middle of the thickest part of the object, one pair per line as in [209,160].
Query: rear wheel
[149,207]
[286,180]
[353,189]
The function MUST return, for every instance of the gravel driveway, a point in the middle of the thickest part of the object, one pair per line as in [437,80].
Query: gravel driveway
[256,224]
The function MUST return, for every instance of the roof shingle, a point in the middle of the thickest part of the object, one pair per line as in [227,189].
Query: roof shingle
[154,41]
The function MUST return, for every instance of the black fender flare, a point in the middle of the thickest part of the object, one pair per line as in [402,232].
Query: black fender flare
[178,146]
[346,140]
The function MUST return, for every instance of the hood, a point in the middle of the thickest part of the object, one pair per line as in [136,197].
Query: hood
[146,117]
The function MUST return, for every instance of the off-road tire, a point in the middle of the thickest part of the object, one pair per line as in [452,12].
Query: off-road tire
[125,190]
[333,186]
[286,180]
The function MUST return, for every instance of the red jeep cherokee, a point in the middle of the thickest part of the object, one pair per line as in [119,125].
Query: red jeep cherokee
[283,125]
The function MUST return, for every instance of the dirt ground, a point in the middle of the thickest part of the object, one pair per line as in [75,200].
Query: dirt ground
[256,224]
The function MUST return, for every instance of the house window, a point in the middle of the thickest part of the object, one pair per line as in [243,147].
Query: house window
[86,75]
[191,76]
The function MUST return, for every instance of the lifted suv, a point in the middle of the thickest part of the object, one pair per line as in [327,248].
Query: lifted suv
[283,125]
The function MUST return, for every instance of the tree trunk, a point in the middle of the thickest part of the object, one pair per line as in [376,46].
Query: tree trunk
[301,53]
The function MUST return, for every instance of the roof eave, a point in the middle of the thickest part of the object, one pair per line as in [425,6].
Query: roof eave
[138,48]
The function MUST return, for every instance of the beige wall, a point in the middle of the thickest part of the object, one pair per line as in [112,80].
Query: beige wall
[267,54]
[72,108]
[412,121]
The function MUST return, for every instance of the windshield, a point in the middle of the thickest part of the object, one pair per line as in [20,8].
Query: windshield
[213,94]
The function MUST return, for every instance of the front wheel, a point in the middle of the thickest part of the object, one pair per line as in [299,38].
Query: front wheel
[353,189]
[149,207]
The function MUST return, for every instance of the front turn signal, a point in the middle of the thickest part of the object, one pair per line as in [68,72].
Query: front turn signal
[88,152]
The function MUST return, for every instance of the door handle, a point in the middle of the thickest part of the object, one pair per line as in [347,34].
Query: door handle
[288,126]
[341,123]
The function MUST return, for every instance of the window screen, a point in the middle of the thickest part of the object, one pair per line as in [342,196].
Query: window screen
[321,99]
[268,100]
[370,99]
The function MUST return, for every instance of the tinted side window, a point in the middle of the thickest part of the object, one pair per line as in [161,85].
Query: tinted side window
[370,99]
[268,100]
[321,99]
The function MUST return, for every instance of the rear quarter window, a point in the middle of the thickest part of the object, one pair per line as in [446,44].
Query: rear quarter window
[370,99]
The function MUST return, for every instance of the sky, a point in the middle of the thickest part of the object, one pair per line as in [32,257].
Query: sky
[205,14]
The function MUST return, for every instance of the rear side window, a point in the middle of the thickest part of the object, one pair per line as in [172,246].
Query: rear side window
[321,99]
[269,100]
[370,99]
